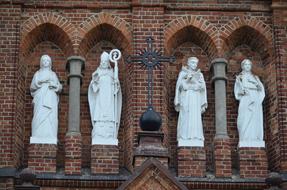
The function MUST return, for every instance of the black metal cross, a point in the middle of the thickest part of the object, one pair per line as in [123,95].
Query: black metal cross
[150,58]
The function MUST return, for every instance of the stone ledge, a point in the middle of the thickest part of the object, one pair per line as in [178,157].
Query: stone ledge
[88,180]
[8,172]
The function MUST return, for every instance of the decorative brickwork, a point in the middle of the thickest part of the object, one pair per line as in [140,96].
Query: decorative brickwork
[42,158]
[73,154]
[152,175]
[35,25]
[104,159]
[207,29]
[253,163]
[139,160]
[191,162]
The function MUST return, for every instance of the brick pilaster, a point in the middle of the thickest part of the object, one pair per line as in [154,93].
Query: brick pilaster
[73,154]
[222,157]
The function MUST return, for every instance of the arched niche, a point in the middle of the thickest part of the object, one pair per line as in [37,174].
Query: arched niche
[46,32]
[248,42]
[195,35]
[186,42]
[103,37]
[46,38]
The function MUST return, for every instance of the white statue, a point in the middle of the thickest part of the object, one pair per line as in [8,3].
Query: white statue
[44,88]
[250,92]
[105,100]
[190,101]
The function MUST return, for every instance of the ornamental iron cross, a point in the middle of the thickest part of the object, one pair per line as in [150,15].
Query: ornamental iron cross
[150,58]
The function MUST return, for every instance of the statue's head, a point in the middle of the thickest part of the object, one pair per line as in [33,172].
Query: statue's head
[192,63]
[105,60]
[45,62]
[246,65]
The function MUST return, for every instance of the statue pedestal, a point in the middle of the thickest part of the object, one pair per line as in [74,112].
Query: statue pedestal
[73,154]
[42,158]
[150,145]
[253,162]
[105,159]
[222,157]
[191,162]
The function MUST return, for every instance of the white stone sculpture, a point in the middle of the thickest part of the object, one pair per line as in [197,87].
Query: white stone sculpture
[250,92]
[190,101]
[44,89]
[105,101]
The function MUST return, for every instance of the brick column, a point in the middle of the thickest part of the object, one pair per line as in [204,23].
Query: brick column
[73,139]
[222,150]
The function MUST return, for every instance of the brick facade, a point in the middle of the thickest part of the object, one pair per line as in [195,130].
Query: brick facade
[233,30]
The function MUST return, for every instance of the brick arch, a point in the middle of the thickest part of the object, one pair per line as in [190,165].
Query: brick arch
[247,30]
[104,26]
[192,28]
[47,27]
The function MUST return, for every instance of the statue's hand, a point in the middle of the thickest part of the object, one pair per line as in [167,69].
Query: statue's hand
[52,85]
[243,92]
[198,87]
[189,76]
[42,82]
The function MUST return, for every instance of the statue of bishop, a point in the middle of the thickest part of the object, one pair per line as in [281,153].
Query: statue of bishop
[105,101]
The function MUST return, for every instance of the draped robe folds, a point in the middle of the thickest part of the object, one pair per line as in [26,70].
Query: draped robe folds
[102,93]
[190,96]
[44,90]
[250,112]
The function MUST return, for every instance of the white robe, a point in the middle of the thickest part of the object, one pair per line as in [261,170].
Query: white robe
[250,112]
[105,114]
[191,97]
[45,102]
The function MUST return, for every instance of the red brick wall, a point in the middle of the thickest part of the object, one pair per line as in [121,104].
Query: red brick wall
[182,28]
[280,134]
[11,123]
[147,21]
